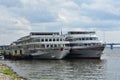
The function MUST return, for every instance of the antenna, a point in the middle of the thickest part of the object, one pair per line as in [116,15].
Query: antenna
[61,31]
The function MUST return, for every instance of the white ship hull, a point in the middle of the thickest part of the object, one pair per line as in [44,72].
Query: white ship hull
[94,52]
[50,54]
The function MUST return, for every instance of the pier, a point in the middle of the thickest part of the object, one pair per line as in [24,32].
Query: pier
[112,44]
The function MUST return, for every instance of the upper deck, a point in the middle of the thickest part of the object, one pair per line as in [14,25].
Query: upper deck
[43,33]
[81,32]
[76,34]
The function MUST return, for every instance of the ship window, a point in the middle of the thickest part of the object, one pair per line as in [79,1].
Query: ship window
[20,51]
[79,38]
[37,46]
[37,40]
[76,39]
[47,45]
[80,44]
[57,39]
[67,45]
[73,44]
[15,51]
[89,44]
[53,39]
[95,38]
[55,45]
[42,40]
[85,44]
[46,39]
[59,45]
[50,39]
[60,39]
[43,45]
[83,38]
[51,45]
[87,38]
[91,39]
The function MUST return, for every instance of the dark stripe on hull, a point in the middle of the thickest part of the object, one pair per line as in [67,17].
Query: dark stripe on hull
[86,53]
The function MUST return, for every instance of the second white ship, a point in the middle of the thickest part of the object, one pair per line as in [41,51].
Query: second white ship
[84,44]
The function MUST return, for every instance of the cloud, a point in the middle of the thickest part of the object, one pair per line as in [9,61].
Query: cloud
[10,3]
[21,23]
[19,17]
[101,5]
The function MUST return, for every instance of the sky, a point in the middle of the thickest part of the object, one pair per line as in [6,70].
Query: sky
[20,17]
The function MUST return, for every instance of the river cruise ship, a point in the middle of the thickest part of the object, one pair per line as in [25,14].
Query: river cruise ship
[84,44]
[40,45]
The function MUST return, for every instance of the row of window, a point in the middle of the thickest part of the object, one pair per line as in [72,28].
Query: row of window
[83,44]
[85,38]
[42,40]
[47,40]
[54,45]
[40,46]
[47,46]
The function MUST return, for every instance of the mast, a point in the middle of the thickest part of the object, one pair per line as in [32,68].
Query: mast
[61,32]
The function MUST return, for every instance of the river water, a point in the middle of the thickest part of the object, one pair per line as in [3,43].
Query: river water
[108,68]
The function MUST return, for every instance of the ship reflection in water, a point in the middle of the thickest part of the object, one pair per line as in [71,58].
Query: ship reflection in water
[75,69]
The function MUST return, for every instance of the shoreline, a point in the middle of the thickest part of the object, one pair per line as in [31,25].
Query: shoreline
[6,73]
